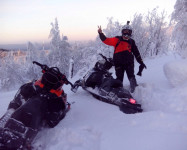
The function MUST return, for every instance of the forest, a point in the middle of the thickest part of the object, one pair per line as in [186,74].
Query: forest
[154,36]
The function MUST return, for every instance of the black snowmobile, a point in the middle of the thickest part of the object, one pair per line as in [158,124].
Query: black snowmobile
[38,104]
[100,83]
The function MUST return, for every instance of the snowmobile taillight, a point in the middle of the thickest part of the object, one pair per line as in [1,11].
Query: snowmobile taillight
[132,101]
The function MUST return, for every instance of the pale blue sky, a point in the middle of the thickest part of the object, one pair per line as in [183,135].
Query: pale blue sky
[29,20]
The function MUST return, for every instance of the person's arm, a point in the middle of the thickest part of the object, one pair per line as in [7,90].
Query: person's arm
[108,41]
[136,53]
[102,37]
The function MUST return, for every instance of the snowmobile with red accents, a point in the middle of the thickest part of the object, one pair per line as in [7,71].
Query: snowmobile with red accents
[38,104]
[100,83]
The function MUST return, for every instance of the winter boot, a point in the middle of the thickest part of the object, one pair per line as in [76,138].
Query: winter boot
[133,84]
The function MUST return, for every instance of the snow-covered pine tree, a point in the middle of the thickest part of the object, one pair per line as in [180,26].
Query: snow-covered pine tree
[32,71]
[31,52]
[55,36]
[60,49]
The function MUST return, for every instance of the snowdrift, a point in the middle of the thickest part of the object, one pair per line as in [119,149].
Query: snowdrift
[176,72]
[95,125]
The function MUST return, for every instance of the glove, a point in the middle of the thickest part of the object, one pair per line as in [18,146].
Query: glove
[141,67]
[140,61]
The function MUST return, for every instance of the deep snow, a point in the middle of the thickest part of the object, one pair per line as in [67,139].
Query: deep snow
[95,125]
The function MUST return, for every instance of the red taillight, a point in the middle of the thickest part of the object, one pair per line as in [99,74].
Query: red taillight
[133,101]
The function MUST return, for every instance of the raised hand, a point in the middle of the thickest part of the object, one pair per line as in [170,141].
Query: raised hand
[99,29]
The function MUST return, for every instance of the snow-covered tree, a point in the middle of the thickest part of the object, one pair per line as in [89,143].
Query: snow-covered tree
[31,52]
[55,36]
[179,35]
[156,38]
[149,33]
[112,29]
[60,49]
[32,71]
[139,33]
[83,56]
[11,73]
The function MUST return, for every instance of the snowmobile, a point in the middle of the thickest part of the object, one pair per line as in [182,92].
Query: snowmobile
[100,83]
[38,104]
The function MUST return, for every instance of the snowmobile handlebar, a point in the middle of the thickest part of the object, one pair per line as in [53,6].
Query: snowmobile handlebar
[103,56]
[37,63]
[46,68]
[70,84]
[109,60]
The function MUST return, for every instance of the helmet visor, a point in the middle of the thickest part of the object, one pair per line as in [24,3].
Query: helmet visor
[126,32]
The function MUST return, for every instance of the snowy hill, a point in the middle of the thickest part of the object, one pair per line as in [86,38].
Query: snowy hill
[95,125]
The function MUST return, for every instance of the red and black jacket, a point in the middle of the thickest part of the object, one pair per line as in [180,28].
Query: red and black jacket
[124,50]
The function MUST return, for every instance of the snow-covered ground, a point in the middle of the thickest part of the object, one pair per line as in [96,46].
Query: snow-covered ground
[95,125]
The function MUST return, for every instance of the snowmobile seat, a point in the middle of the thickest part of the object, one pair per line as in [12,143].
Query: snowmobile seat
[110,83]
[35,106]
[95,79]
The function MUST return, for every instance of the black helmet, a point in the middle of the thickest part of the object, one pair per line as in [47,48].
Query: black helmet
[127,30]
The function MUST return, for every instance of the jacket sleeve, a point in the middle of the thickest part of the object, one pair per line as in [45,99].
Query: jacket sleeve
[136,52]
[108,41]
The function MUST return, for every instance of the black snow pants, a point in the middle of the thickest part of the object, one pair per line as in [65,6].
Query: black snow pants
[129,68]
[120,70]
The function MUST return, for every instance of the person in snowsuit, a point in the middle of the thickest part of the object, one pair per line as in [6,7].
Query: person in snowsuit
[41,103]
[124,51]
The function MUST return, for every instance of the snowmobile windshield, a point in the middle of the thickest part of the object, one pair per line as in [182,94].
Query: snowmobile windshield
[51,78]
[100,65]
[104,64]
[102,61]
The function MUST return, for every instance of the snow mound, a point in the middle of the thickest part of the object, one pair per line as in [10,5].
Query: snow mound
[71,139]
[176,72]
